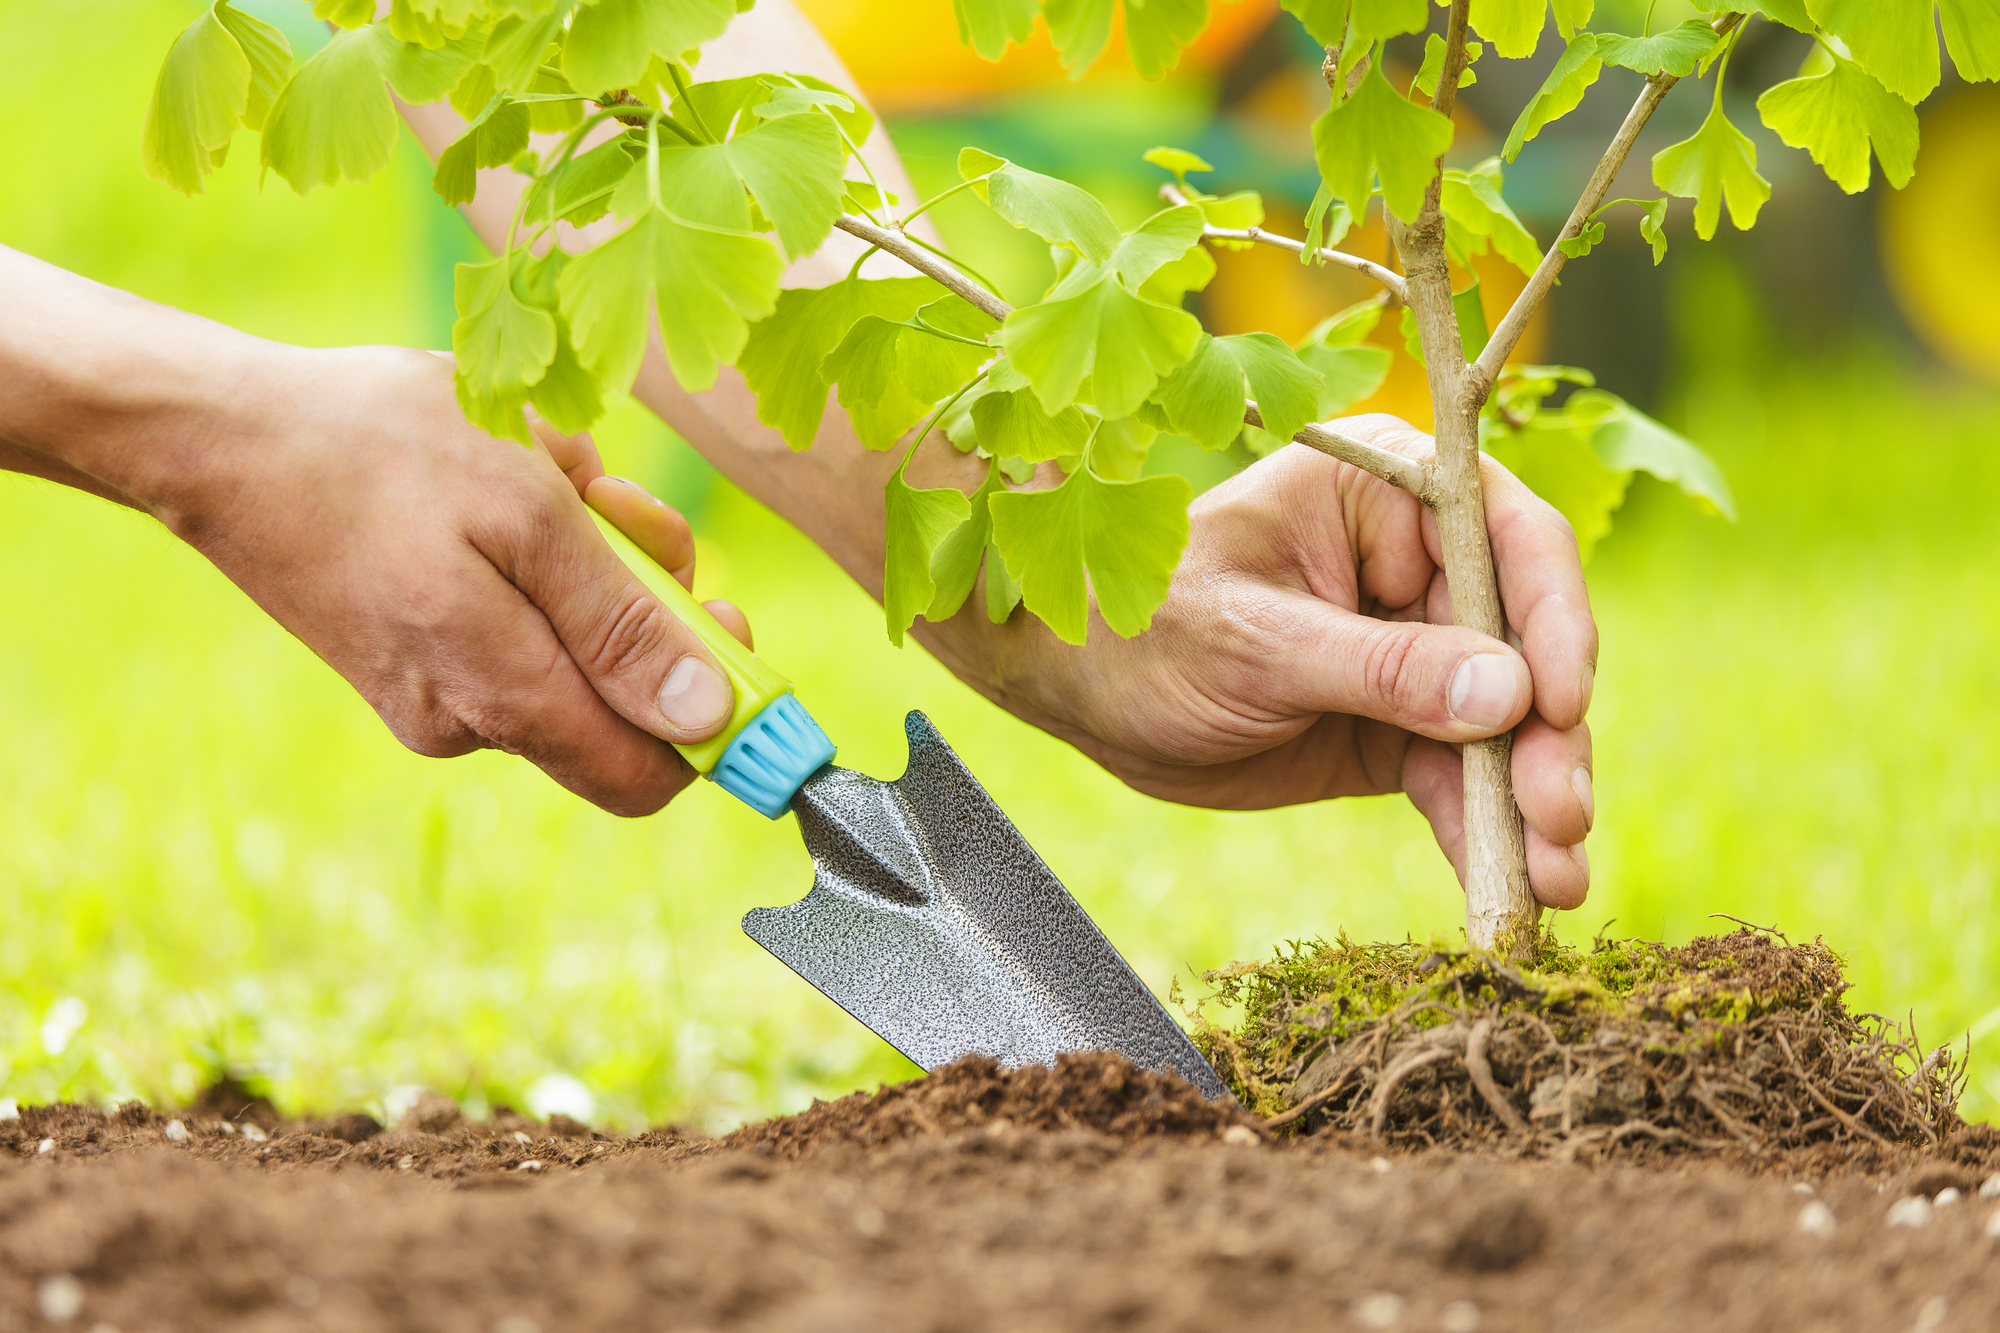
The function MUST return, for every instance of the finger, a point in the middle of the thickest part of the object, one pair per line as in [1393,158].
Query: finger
[1560,876]
[1542,589]
[1441,681]
[730,617]
[575,454]
[1387,520]
[639,657]
[1552,780]
[1434,778]
[654,526]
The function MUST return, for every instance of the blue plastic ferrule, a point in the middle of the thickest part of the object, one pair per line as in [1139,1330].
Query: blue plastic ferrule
[772,757]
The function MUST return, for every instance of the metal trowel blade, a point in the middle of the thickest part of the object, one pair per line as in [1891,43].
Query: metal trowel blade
[933,922]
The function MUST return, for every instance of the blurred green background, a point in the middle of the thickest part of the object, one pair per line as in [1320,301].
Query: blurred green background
[213,857]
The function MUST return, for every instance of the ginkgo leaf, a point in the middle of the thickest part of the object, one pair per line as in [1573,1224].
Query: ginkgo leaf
[918,524]
[1117,450]
[1588,238]
[1552,457]
[1837,116]
[1058,212]
[1972,35]
[1119,540]
[1719,163]
[711,283]
[270,57]
[1513,26]
[1091,325]
[1476,218]
[421,74]
[1327,220]
[1652,228]
[567,395]
[1012,424]
[1432,69]
[519,42]
[334,121]
[1204,398]
[1628,439]
[1572,15]
[1575,70]
[198,101]
[493,140]
[579,191]
[781,359]
[503,346]
[890,374]
[344,13]
[793,166]
[1676,51]
[990,26]
[1894,40]
[955,563]
[1245,208]
[1174,280]
[610,41]
[748,101]
[1377,133]
[1791,13]
[1331,22]
[1158,241]
[1155,31]
[1177,160]
[1349,367]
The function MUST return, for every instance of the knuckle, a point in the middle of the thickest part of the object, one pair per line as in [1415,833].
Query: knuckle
[638,634]
[1389,662]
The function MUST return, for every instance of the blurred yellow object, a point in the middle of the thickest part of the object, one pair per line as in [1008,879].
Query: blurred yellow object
[908,57]
[1941,233]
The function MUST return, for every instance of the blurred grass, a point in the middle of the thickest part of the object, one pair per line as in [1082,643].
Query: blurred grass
[213,856]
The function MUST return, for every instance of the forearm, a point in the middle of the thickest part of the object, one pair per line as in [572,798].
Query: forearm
[109,393]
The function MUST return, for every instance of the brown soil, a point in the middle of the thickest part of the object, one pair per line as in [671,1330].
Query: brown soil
[1092,1196]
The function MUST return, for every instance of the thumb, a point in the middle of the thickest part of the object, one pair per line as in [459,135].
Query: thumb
[639,657]
[1442,681]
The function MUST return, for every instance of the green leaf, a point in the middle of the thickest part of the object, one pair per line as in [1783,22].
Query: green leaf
[1895,40]
[1118,449]
[1204,398]
[1332,21]
[422,74]
[1245,208]
[493,140]
[1377,133]
[429,24]
[918,524]
[1629,439]
[1433,66]
[792,166]
[1553,458]
[334,121]
[1177,160]
[892,374]
[344,13]
[1653,225]
[1091,325]
[1327,221]
[1572,15]
[610,41]
[1055,210]
[753,99]
[1003,590]
[1575,70]
[1155,31]
[1791,13]
[990,26]
[1513,26]
[566,395]
[579,191]
[1160,240]
[1350,368]
[270,57]
[198,101]
[1471,315]
[520,42]
[1012,424]
[471,93]
[1837,115]
[781,359]
[1124,537]
[955,563]
[1972,35]
[1477,218]
[710,284]
[1676,51]
[502,346]
[1718,163]
[1173,281]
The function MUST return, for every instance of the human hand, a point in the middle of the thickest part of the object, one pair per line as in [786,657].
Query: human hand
[1306,651]
[455,580]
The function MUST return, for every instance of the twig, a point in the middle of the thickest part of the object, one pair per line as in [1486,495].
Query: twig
[1387,277]
[1752,925]
[1482,1079]
[1310,1104]
[1701,1093]
[1484,371]
[1843,1117]
[907,250]
[1398,1074]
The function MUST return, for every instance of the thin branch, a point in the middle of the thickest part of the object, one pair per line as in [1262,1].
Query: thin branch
[1419,479]
[1446,95]
[1387,277]
[1501,345]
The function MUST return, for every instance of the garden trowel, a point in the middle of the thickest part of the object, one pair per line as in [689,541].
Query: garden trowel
[931,919]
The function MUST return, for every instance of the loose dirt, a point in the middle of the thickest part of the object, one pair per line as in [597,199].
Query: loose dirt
[1090,1196]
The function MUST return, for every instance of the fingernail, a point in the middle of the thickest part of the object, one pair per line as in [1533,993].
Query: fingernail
[1585,684]
[1482,693]
[1579,782]
[695,697]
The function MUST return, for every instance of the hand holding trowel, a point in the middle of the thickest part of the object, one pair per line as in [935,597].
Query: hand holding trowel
[930,919]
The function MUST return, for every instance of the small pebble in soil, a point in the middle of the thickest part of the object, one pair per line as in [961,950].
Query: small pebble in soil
[1991,1189]
[519,1137]
[1459,1317]
[405,1162]
[254,1134]
[302,1291]
[1382,1309]
[176,1131]
[225,1127]
[60,1298]
[9,1109]
[1379,1165]
[1932,1312]
[46,1145]
[530,1165]
[1802,1188]
[869,1221]
[1993,1225]
[1239,1134]
[1946,1197]
[1914,1211]
[1816,1219]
